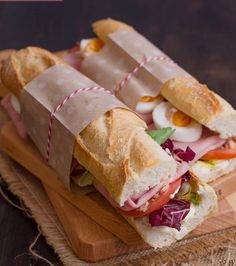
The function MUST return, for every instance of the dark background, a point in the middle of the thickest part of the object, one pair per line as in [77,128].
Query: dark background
[200,35]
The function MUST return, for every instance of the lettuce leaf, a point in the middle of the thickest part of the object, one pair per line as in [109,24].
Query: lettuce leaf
[191,194]
[85,179]
[209,164]
[193,197]
[161,135]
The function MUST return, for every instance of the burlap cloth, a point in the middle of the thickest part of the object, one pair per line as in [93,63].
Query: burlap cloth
[218,248]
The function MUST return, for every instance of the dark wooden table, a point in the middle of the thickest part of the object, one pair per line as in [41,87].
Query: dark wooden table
[200,35]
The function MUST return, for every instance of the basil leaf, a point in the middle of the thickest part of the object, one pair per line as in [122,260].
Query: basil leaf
[161,135]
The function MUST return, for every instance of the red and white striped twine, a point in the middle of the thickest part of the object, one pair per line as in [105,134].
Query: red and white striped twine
[132,73]
[59,106]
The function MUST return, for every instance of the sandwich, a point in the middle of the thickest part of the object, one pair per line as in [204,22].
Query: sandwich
[121,160]
[214,115]
[204,124]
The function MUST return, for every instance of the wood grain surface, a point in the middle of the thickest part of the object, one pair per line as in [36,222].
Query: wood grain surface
[199,35]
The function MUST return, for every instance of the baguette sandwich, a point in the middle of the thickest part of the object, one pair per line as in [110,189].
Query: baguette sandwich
[115,154]
[203,122]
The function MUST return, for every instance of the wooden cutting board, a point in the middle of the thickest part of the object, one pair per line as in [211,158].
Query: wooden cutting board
[94,229]
[92,242]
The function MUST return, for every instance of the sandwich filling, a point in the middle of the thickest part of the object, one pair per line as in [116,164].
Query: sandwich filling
[207,145]
[189,134]
[169,206]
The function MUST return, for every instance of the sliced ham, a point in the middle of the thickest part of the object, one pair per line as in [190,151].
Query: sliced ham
[73,59]
[105,194]
[200,147]
[182,168]
[146,117]
[151,126]
[135,201]
[15,116]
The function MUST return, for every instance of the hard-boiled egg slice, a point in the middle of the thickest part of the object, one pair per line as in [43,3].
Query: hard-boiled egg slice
[15,103]
[186,128]
[92,45]
[147,104]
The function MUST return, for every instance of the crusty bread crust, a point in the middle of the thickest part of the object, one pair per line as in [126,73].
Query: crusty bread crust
[192,97]
[202,104]
[104,27]
[24,65]
[115,147]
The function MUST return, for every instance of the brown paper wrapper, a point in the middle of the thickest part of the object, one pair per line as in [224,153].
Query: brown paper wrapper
[44,94]
[123,52]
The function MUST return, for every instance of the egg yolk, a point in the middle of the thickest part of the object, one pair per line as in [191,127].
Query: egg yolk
[180,119]
[147,99]
[94,46]
[152,163]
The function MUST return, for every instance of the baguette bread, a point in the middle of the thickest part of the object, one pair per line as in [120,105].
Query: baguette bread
[202,104]
[24,65]
[104,27]
[115,147]
[162,236]
[4,55]
[209,173]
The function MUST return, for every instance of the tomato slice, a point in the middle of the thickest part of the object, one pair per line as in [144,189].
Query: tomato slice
[154,203]
[220,154]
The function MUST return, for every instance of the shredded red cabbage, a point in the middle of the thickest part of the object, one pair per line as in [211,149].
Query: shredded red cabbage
[76,168]
[186,177]
[168,144]
[170,214]
[187,155]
